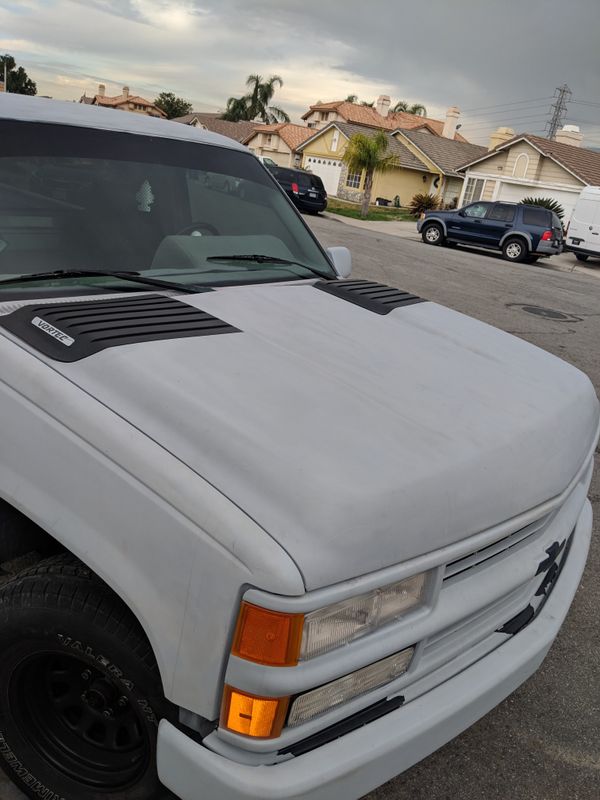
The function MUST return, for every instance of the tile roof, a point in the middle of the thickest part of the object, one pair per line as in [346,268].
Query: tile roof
[447,154]
[240,131]
[293,135]
[365,115]
[120,99]
[403,155]
[583,163]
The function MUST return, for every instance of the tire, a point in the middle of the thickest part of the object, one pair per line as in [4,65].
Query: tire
[515,250]
[80,692]
[433,234]
[581,256]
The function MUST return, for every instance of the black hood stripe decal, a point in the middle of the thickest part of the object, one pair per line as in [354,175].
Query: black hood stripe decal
[376,297]
[72,331]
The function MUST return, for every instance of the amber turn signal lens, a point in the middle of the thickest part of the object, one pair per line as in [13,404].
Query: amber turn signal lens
[268,637]
[259,717]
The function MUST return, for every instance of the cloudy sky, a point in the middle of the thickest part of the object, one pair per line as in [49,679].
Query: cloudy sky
[498,61]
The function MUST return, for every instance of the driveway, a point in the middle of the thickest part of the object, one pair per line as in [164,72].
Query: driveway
[543,742]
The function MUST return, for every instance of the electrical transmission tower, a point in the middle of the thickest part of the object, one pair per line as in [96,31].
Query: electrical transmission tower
[558,110]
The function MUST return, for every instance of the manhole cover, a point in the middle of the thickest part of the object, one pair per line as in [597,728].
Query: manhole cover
[545,313]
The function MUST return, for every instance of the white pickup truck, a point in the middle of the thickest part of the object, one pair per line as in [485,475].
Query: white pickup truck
[265,532]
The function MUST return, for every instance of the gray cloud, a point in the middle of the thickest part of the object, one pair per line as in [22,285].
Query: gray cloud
[471,53]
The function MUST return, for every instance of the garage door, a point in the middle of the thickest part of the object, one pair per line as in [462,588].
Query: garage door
[328,169]
[515,193]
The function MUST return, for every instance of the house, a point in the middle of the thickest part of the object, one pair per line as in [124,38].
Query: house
[321,114]
[123,102]
[524,165]
[322,154]
[424,163]
[211,121]
[279,142]
[443,157]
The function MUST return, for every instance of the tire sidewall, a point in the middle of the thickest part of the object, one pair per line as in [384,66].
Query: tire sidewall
[436,226]
[522,255]
[30,630]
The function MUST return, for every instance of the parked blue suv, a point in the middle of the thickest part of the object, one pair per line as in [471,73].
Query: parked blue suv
[521,232]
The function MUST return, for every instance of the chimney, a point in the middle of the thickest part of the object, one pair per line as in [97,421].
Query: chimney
[126,92]
[499,136]
[570,134]
[101,89]
[451,122]
[383,104]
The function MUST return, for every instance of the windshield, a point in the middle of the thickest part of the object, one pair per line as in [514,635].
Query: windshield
[81,199]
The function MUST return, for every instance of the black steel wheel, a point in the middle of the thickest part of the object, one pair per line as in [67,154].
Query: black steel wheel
[80,692]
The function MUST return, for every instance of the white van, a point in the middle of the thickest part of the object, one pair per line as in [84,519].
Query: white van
[583,234]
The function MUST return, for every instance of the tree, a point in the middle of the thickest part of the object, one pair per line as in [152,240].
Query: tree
[17,79]
[368,154]
[418,109]
[256,104]
[352,98]
[172,106]
[545,202]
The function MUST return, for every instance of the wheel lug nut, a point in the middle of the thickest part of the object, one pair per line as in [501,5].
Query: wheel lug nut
[86,675]
[84,697]
[122,702]
[108,713]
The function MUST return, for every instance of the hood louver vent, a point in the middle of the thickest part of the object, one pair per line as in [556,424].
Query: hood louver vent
[72,331]
[376,297]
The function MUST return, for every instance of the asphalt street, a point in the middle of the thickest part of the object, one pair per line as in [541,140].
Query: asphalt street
[542,743]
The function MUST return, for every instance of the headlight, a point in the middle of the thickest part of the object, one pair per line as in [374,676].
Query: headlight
[312,704]
[344,622]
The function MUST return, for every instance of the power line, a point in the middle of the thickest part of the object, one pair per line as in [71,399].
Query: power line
[507,111]
[512,103]
[559,109]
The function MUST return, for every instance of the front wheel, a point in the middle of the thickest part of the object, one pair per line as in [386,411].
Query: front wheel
[433,233]
[514,250]
[581,257]
[80,693]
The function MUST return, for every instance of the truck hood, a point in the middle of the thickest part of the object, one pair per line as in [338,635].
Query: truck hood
[357,440]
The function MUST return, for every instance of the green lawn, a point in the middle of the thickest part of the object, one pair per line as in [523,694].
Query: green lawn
[379,213]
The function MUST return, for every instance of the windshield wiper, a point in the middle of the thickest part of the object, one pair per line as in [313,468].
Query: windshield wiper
[133,277]
[263,259]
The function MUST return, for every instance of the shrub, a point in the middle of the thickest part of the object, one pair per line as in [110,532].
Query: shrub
[421,203]
[545,202]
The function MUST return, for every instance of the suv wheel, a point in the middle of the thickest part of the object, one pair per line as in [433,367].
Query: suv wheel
[514,250]
[433,233]
[80,693]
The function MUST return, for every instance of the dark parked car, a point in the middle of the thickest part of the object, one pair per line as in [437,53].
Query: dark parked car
[305,190]
[521,232]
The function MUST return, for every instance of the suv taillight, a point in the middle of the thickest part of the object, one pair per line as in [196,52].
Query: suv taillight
[295,188]
[547,236]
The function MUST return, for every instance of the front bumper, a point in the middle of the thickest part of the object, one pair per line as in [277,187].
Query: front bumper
[367,757]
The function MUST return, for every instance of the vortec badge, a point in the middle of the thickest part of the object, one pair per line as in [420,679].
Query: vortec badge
[52,331]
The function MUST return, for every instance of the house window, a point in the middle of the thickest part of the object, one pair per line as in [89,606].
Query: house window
[473,190]
[268,139]
[521,166]
[334,140]
[353,180]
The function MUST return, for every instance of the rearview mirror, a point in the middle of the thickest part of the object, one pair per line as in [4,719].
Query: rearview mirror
[341,258]
[461,213]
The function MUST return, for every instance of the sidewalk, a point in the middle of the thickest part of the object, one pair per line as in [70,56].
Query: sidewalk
[565,262]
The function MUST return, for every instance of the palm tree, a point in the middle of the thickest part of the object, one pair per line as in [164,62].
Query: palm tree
[418,109]
[256,104]
[367,153]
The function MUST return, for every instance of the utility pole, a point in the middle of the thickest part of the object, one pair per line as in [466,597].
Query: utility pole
[558,110]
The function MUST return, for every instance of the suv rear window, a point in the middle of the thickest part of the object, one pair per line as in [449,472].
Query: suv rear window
[502,212]
[308,181]
[537,216]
